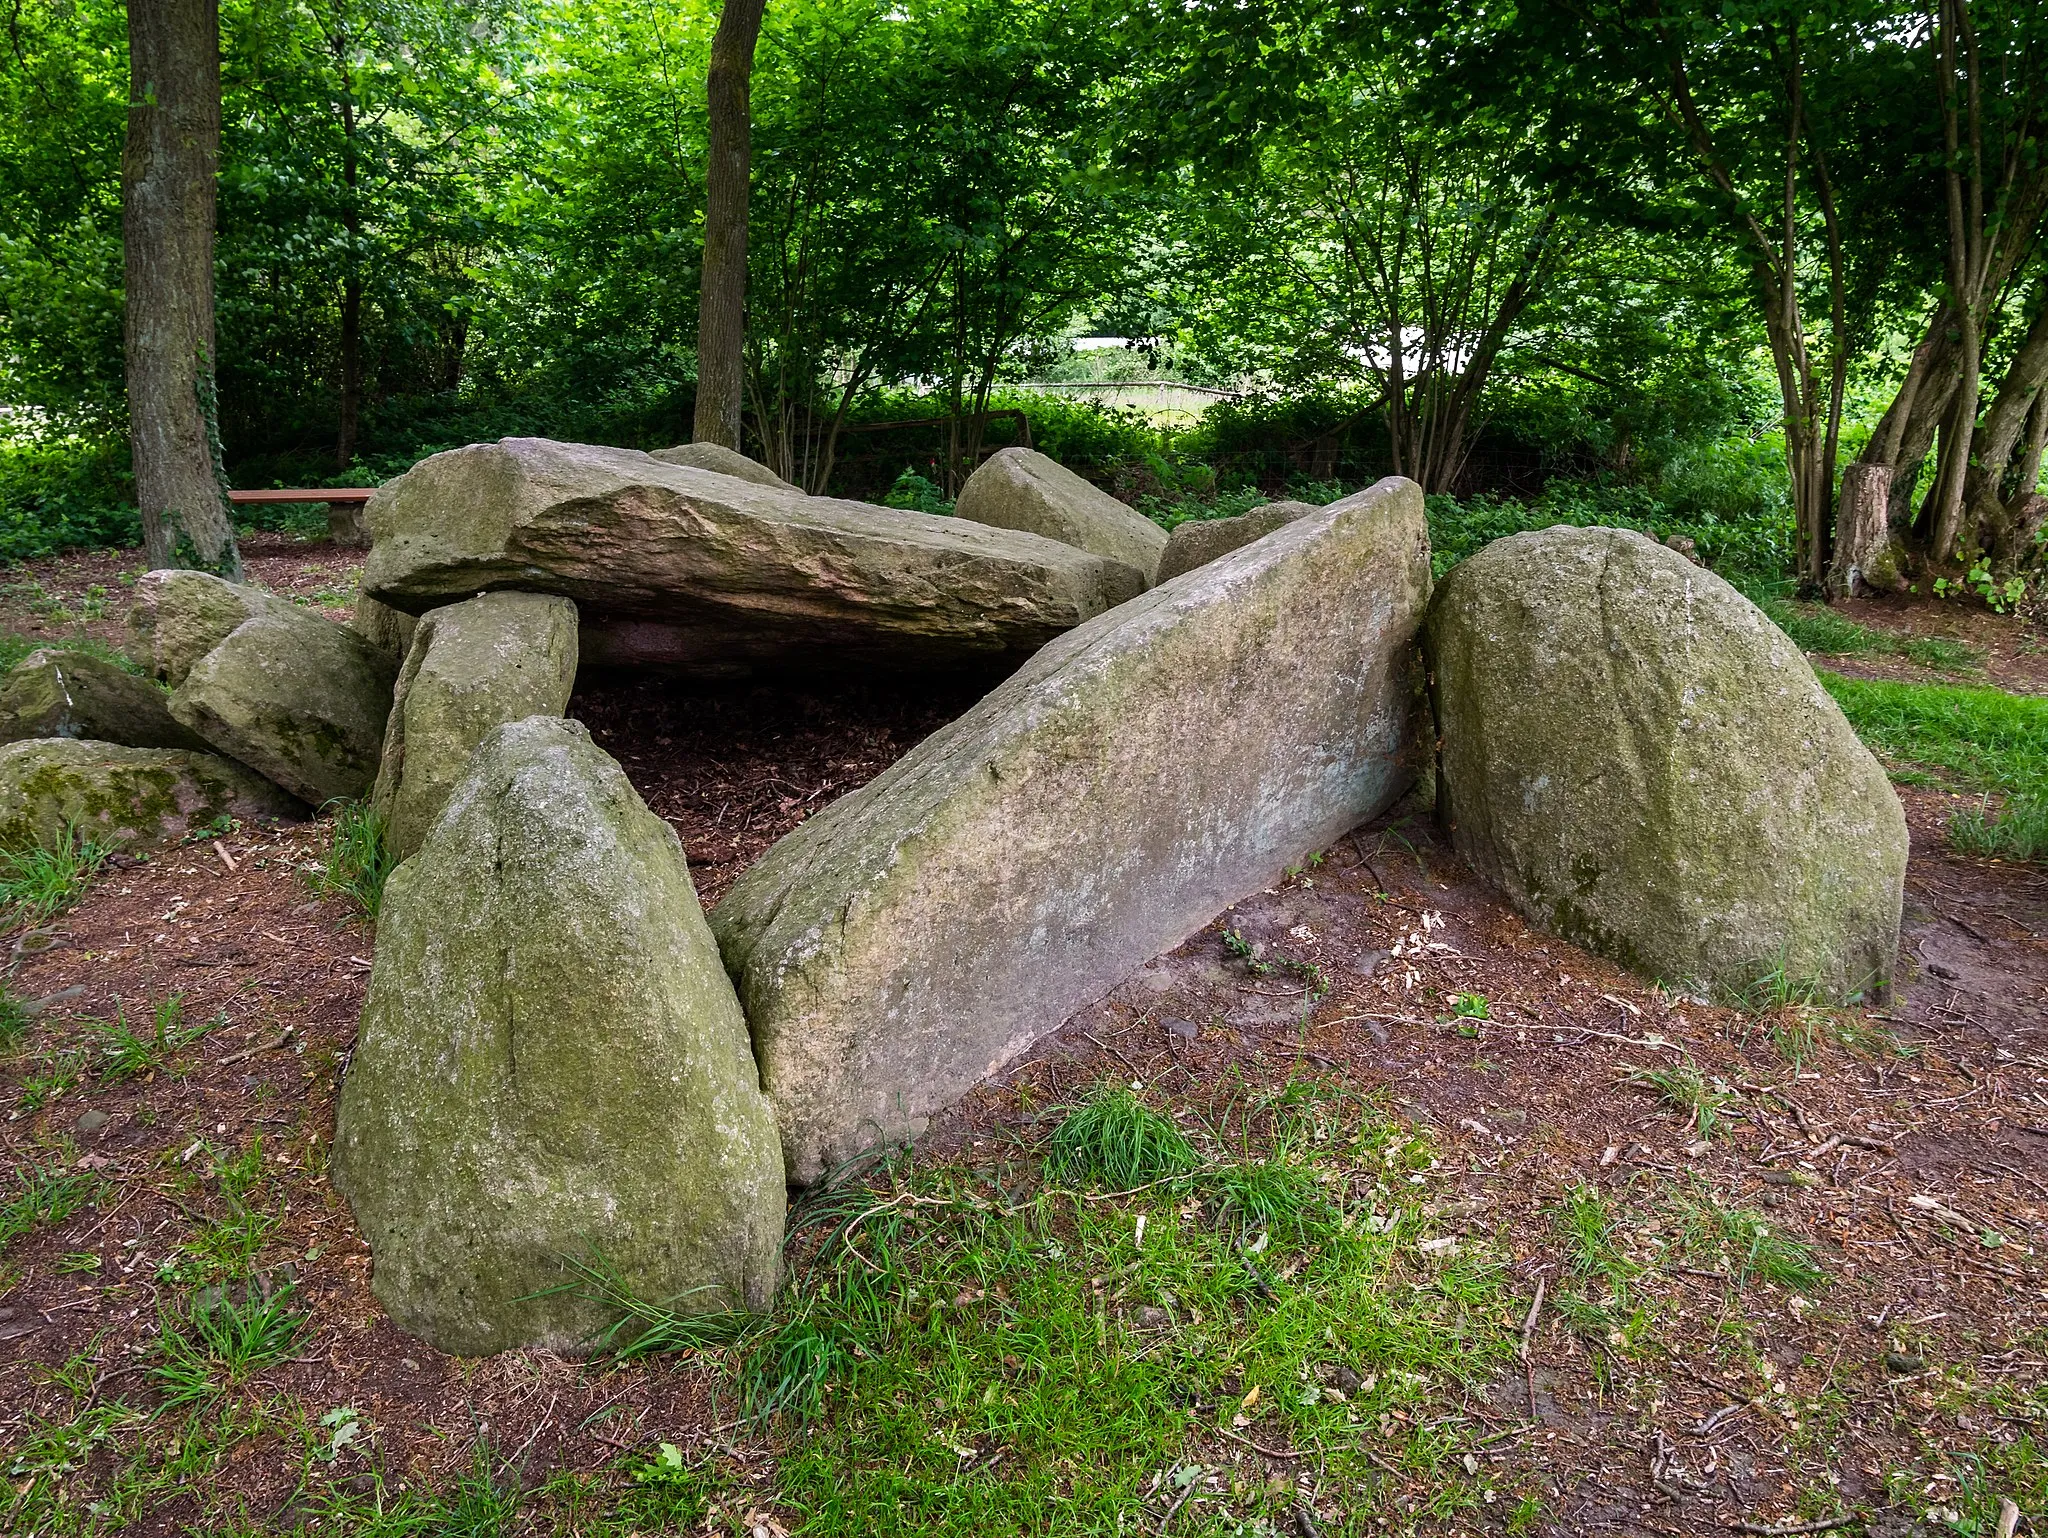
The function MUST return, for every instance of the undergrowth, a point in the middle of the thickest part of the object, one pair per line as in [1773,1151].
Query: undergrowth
[358,860]
[37,884]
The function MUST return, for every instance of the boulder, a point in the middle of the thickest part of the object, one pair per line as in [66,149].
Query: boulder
[120,797]
[552,1065]
[297,698]
[1022,489]
[1643,764]
[388,630]
[1133,779]
[691,568]
[473,667]
[74,694]
[1200,540]
[724,461]
[180,616]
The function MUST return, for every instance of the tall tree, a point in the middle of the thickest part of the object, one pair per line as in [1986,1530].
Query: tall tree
[167,202]
[722,304]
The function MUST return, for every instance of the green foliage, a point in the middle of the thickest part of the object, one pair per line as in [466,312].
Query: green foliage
[645,1326]
[1814,627]
[42,1196]
[1115,1140]
[358,862]
[37,884]
[1685,1088]
[1750,1247]
[786,1374]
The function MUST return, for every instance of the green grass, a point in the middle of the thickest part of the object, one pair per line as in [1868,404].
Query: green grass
[1982,739]
[1684,1088]
[43,1196]
[37,884]
[1117,1141]
[2017,831]
[1748,1246]
[126,1053]
[1816,628]
[15,647]
[357,860]
[217,1341]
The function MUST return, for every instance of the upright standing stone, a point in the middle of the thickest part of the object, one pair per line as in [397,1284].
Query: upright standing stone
[1643,763]
[1023,489]
[552,1066]
[388,630]
[1201,540]
[1136,777]
[472,667]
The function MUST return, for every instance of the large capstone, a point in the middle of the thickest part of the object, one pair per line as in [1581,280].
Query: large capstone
[691,568]
[180,616]
[724,461]
[552,1067]
[1132,780]
[116,797]
[53,693]
[472,667]
[1201,540]
[1023,489]
[1644,764]
[298,699]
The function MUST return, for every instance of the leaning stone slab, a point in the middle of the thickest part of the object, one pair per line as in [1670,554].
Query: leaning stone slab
[473,666]
[54,693]
[1133,779]
[180,616]
[1643,764]
[690,567]
[724,461]
[299,699]
[1023,489]
[1201,540]
[552,1065]
[120,797]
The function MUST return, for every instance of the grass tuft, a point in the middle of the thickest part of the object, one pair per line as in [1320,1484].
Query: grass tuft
[1684,1088]
[787,1373]
[126,1053]
[1753,1248]
[1114,1139]
[1984,739]
[646,1326]
[357,863]
[2018,832]
[37,884]
[217,1342]
[45,1196]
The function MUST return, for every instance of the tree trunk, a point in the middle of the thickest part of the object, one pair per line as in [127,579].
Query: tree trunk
[722,302]
[167,199]
[1863,560]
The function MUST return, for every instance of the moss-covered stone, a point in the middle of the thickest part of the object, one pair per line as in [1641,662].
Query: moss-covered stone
[180,616]
[55,693]
[389,631]
[121,797]
[297,698]
[1644,764]
[1201,540]
[1023,489]
[1132,780]
[552,1064]
[472,667]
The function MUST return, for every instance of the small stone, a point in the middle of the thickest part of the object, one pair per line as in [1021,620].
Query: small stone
[1186,1030]
[1345,1379]
[1151,1317]
[1902,1363]
[90,1122]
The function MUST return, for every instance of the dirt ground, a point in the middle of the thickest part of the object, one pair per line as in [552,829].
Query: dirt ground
[1914,1161]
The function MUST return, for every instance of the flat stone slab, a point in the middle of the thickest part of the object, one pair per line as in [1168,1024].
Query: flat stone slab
[677,565]
[1135,778]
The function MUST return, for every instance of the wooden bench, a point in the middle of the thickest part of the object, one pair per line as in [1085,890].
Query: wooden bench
[344,507]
